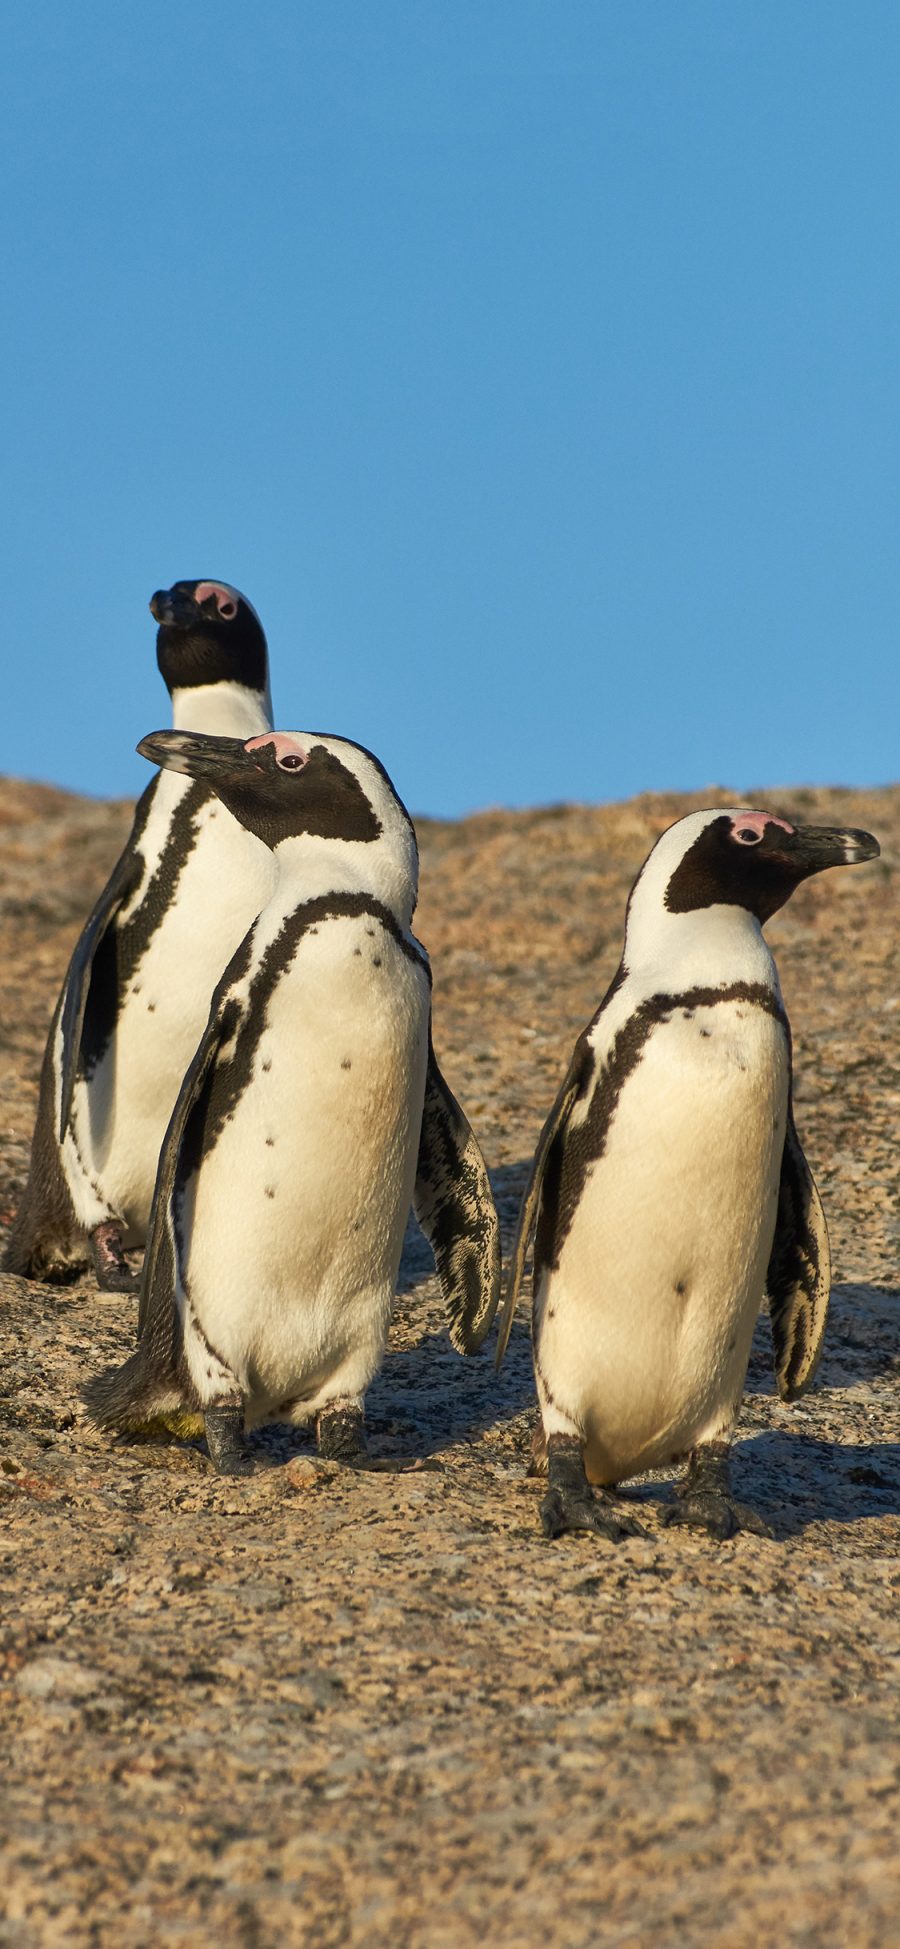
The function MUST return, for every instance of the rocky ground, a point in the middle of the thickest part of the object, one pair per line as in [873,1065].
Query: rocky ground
[324,1709]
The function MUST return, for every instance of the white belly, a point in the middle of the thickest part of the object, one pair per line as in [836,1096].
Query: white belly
[120,1118]
[644,1329]
[291,1232]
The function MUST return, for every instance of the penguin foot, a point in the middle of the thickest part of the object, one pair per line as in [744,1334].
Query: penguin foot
[341,1435]
[225,1440]
[564,1509]
[705,1501]
[571,1503]
[114,1274]
[718,1514]
[120,1282]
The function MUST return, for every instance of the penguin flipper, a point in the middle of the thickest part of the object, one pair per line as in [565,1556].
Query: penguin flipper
[575,1081]
[798,1281]
[123,881]
[455,1207]
[160,1268]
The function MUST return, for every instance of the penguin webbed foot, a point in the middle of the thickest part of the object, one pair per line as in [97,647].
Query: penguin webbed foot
[114,1274]
[228,1449]
[705,1501]
[572,1504]
[341,1435]
[720,1516]
[563,1511]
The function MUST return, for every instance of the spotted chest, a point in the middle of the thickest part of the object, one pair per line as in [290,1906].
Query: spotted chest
[297,1196]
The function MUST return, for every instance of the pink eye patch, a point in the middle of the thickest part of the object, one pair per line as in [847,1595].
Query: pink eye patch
[225,599]
[757,822]
[285,746]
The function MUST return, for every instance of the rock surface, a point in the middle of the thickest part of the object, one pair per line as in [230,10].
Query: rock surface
[325,1709]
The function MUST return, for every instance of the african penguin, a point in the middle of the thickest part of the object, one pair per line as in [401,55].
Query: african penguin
[311,1114]
[137,991]
[669,1188]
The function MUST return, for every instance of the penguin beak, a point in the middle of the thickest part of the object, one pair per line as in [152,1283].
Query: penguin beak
[813,848]
[173,608]
[199,756]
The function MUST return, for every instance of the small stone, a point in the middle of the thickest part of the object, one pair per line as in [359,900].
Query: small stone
[58,1678]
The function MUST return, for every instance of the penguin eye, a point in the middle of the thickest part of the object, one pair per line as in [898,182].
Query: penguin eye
[293,762]
[746,836]
[228,611]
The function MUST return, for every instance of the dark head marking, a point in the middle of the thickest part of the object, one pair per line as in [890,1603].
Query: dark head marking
[208,634]
[753,860]
[293,789]
[274,785]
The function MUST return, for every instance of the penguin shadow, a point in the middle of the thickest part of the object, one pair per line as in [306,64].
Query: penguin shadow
[862,1340]
[426,1393]
[797,1481]
[431,1397]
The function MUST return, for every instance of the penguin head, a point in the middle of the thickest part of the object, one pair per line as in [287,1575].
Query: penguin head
[754,860]
[307,795]
[209,634]
[714,862]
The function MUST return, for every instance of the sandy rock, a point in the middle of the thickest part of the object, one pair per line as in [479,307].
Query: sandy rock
[58,1678]
[301,1472]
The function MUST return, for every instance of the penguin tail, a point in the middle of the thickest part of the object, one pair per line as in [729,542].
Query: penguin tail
[129,1399]
[45,1240]
[18,1256]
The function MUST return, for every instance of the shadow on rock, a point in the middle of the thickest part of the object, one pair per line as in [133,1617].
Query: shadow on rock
[863,1335]
[432,1397]
[862,1339]
[508,1182]
[796,1481]
[427,1394]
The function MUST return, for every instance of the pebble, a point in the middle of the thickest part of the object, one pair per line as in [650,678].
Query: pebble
[58,1678]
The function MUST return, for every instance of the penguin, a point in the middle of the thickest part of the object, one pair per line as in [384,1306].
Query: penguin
[669,1189]
[138,987]
[312,1113]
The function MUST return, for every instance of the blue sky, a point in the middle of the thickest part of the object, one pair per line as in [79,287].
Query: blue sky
[533,365]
